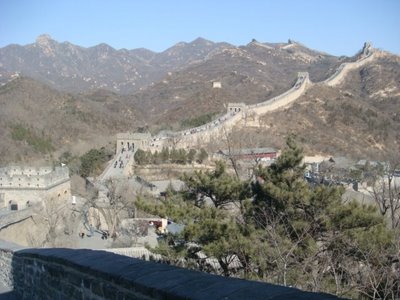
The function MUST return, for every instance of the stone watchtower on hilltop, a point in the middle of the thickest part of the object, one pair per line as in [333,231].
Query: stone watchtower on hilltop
[236,107]
[132,141]
[21,187]
[366,49]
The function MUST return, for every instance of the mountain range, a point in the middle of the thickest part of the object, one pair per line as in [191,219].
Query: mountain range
[74,95]
[73,68]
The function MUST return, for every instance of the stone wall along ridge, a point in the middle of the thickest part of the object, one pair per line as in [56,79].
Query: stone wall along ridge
[344,68]
[215,129]
[303,82]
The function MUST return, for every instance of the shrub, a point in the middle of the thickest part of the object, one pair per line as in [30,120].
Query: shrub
[197,121]
[40,143]
[93,161]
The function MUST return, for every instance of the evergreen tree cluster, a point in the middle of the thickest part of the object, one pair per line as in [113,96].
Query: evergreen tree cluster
[39,142]
[175,156]
[279,229]
[197,121]
[92,162]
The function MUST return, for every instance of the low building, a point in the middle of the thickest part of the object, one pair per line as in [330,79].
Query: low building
[21,187]
[216,85]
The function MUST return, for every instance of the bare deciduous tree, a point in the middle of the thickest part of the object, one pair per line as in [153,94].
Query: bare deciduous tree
[386,193]
[52,211]
[120,204]
[281,256]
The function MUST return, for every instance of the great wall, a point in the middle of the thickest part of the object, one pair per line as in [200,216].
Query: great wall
[367,55]
[67,273]
[238,114]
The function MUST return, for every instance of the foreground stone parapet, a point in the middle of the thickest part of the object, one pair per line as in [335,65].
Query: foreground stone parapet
[7,250]
[88,274]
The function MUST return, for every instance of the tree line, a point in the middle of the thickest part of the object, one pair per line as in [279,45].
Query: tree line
[175,156]
[279,229]
[91,163]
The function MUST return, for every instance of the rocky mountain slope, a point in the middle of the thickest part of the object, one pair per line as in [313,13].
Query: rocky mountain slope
[36,120]
[358,118]
[72,68]
[119,90]
[249,74]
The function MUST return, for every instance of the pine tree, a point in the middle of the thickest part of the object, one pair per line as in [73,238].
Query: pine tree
[202,156]
[164,154]
[141,157]
[191,155]
[285,231]
[217,186]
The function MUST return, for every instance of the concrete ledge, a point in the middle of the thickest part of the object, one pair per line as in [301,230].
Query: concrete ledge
[83,273]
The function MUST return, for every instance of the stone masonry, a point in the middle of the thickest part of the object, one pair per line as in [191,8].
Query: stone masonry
[88,274]
[24,186]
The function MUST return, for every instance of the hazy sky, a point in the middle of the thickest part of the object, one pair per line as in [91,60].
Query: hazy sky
[338,27]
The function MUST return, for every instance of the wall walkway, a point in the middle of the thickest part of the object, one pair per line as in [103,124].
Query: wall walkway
[216,129]
[56,273]
[345,68]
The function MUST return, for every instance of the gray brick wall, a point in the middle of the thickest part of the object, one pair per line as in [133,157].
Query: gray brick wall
[88,274]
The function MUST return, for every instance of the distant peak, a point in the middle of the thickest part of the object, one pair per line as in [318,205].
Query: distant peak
[104,45]
[201,40]
[46,44]
[43,39]
[180,44]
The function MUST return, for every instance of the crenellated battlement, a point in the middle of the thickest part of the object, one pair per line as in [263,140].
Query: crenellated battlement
[17,177]
[20,187]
